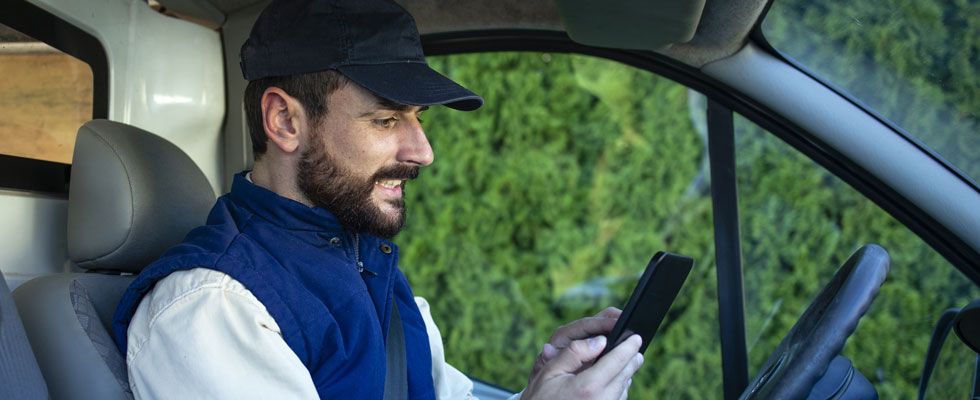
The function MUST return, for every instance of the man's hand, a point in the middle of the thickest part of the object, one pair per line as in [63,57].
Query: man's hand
[569,376]
[601,324]
[567,366]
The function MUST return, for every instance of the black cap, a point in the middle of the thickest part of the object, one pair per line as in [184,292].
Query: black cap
[373,42]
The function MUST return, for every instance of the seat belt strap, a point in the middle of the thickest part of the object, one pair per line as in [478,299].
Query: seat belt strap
[396,368]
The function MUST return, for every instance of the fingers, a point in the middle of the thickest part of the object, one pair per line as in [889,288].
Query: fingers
[619,364]
[626,389]
[610,312]
[548,351]
[582,329]
[602,323]
[626,375]
[575,355]
[607,378]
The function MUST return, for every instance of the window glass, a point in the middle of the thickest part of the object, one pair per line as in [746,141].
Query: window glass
[914,61]
[953,375]
[799,224]
[545,206]
[47,96]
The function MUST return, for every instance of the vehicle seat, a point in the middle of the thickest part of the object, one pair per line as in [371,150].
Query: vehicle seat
[131,196]
[20,377]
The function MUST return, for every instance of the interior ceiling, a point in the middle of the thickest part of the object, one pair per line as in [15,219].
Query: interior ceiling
[227,6]
[723,28]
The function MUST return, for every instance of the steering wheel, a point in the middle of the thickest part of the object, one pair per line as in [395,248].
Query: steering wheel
[819,335]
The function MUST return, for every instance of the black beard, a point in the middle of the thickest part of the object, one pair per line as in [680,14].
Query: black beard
[332,187]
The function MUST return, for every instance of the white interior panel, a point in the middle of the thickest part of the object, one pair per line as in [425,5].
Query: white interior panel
[166,75]
[34,236]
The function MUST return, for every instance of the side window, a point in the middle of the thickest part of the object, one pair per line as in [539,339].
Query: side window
[799,224]
[47,96]
[545,206]
[54,76]
[954,371]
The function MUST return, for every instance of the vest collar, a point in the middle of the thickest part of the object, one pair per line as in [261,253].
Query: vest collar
[280,211]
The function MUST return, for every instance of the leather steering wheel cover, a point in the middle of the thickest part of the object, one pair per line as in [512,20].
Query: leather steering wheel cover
[820,333]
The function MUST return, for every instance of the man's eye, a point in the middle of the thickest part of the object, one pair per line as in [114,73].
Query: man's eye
[386,122]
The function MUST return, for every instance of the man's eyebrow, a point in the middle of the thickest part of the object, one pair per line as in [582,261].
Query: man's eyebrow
[391,105]
[385,104]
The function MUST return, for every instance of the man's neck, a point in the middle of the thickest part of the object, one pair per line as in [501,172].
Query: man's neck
[280,179]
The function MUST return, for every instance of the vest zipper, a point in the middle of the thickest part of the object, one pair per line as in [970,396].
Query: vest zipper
[357,257]
[357,253]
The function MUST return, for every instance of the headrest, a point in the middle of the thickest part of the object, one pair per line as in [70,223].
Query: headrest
[132,195]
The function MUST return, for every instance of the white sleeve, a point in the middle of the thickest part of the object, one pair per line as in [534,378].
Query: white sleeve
[199,334]
[450,383]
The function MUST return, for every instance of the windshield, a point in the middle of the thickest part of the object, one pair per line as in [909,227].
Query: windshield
[916,62]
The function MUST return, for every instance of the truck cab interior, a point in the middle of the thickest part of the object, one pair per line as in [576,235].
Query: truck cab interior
[818,160]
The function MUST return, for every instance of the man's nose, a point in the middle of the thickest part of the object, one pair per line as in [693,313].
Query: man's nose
[414,147]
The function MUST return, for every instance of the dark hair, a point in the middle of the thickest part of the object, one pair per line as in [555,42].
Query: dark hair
[311,89]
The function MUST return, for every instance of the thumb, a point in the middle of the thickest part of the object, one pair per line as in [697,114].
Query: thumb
[578,353]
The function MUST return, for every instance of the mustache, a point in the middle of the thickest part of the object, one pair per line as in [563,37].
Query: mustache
[405,172]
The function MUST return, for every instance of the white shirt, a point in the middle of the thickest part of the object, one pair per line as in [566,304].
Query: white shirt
[201,334]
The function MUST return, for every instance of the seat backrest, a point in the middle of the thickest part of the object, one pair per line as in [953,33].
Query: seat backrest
[20,377]
[132,195]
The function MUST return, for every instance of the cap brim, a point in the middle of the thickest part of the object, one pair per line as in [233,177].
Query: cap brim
[412,83]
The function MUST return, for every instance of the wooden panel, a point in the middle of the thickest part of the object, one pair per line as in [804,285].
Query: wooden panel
[45,97]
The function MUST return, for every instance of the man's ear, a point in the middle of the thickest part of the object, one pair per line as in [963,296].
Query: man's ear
[283,119]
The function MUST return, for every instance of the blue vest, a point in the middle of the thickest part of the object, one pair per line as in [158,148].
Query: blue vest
[303,267]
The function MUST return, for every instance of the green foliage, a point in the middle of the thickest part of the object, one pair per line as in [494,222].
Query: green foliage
[916,62]
[956,366]
[545,205]
[799,224]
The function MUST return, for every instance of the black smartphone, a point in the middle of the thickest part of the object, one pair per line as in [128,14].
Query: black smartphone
[648,305]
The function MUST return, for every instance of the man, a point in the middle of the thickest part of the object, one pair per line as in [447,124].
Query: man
[292,290]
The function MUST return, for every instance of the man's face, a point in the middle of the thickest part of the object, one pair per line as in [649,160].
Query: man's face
[356,161]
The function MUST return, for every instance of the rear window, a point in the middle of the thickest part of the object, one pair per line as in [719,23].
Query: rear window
[47,96]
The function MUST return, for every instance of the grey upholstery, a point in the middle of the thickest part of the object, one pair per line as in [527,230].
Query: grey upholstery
[20,377]
[132,195]
[72,364]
